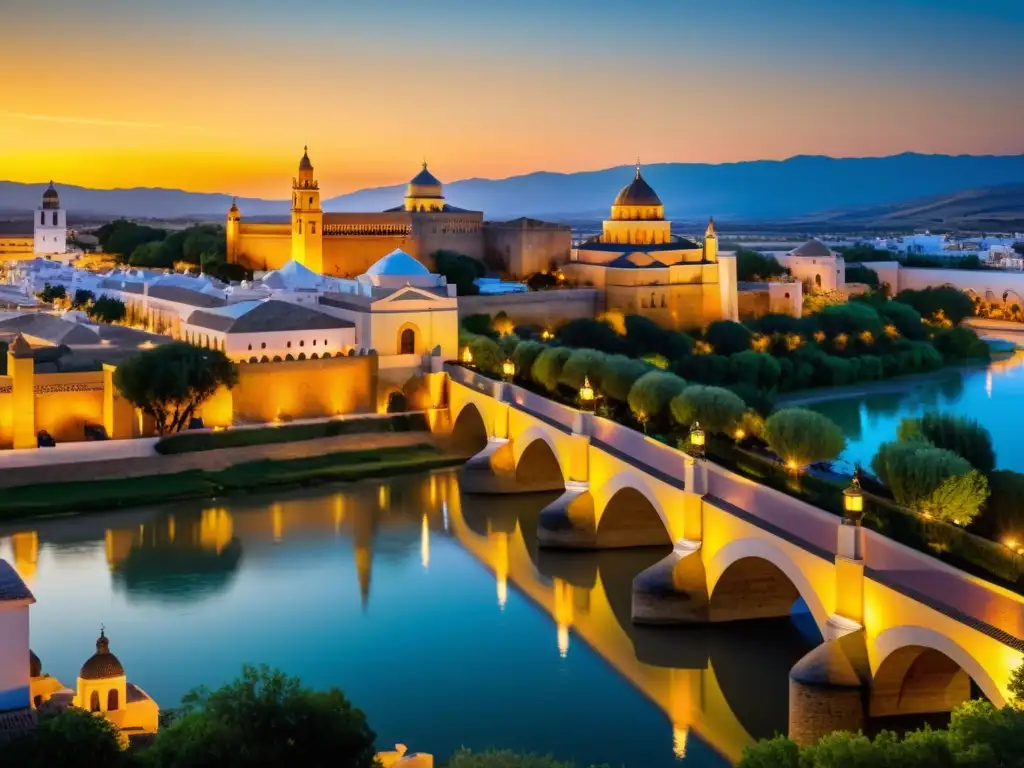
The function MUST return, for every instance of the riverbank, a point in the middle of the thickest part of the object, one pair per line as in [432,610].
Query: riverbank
[410,452]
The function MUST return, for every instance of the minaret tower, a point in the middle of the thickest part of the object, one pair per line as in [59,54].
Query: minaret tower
[711,242]
[51,224]
[307,218]
[232,229]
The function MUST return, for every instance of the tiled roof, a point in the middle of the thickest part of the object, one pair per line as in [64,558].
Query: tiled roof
[11,586]
[268,316]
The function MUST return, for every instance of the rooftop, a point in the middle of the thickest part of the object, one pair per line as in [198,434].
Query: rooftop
[11,586]
[265,317]
[51,329]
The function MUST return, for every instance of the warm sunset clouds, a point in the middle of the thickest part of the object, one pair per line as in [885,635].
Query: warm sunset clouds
[221,95]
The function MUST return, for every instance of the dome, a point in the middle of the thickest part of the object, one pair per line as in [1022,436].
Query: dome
[424,184]
[103,663]
[812,247]
[398,263]
[305,164]
[233,210]
[51,199]
[638,192]
[35,666]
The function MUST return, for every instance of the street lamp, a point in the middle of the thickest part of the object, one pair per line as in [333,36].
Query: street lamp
[697,439]
[508,368]
[853,503]
[586,394]
[467,356]
[546,335]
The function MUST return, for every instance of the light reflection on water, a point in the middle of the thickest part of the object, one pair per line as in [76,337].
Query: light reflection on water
[990,395]
[435,613]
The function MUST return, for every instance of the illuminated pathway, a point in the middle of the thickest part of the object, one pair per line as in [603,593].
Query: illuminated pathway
[907,628]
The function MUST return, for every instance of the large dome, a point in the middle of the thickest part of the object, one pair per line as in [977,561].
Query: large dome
[638,193]
[51,200]
[102,664]
[398,263]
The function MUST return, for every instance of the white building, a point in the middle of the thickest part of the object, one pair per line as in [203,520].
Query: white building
[51,225]
[815,265]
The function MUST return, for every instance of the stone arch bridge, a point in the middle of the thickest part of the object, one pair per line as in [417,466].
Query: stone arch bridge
[903,633]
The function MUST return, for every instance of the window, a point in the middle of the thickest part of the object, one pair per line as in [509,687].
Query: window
[289,345]
[300,226]
[250,347]
[408,342]
[817,280]
[55,220]
[42,218]
[312,227]
[302,343]
[311,200]
[325,342]
[94,702]
[112,700]
[314,342]
[263,345]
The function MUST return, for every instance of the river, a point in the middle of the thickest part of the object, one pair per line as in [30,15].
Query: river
[991,395]
[433,611]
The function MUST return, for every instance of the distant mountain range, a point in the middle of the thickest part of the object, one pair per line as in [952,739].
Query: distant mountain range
[846,191]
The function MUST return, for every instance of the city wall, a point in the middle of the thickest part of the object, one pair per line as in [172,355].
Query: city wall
[989,284]
[546,308]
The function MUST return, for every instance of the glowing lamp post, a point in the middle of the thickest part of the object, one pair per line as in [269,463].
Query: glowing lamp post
[467,357]
[853,503]
[586,395]
[546,335]
[697,440]
[508,368]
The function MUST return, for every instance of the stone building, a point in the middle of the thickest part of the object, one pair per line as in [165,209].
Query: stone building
[642,268]
[524,246]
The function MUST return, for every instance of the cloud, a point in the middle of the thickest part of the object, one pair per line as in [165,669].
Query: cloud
[77,120]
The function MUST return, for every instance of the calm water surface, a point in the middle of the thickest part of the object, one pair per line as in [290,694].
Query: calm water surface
[432,611]
[992,395]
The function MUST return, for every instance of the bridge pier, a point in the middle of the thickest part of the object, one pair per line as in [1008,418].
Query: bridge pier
[673,590]
[569,521]
[493,471]
[828,687]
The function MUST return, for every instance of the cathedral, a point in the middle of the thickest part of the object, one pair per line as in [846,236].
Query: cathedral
[347,244]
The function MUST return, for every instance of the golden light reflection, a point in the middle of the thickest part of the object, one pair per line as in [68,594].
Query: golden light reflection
[425,542]
[339,513]
[277,522]
[170,528]
[25,549]
[563,613]
[988,383]
[679,738]
[563,640]
[216,529]
[382,497]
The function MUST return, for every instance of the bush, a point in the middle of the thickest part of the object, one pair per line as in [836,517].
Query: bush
[70,737]
[644,336]
[584,363]
[460,271]
[773,323]
[960,343]
[594,334]
[82,298]
[620,373]
[107,310]
[1004,513]
[151,255]
[479,325]
[943,300]
[707,369]
[651,394]
[857,273]
[904,317]
[931,481]
[962,435]
[487,355]
[52,293]
[525,355]
[503,759]
[727,338]
[757,369]
[752,266]
[852,318]
[801,437]
[717,410]
[547,368]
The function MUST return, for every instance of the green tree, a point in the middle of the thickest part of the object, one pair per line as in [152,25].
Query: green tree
[620,373]
[717,409]
[962,435]
[594,334]
[52,293]
[120,238]
[852,319]
[524,357]
[801,437]
[487,355]
[504,759]
[858,273]
[204,239]
[727,338]
[171,381]
[644,336]
[480,324]
[70,738]
[758,369]
[461,271]
[547,368]
[651,394]
[150,255]
[1004,513]
[944,300]
[584,363]
[931,480]
[960,343]
[107,310]
[265,719]
[752,266]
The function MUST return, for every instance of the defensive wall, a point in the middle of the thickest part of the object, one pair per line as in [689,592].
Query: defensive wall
[544,308]
[903,632]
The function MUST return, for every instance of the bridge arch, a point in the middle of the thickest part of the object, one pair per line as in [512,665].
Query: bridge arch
[536,458]
[921,670]
[754,578]
[631,517]
[469,432]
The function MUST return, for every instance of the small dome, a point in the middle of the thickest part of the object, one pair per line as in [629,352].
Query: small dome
[396,264]
[812,247]
[638,192]
[35,666]
[50,198]
[234,206]
[305,164]
[424,184]
[103,663]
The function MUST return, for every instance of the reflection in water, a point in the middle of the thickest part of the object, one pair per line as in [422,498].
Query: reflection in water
[990,395]
[378,588]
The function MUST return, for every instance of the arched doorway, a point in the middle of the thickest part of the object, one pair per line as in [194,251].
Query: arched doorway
[916,680]
[538,466]
[112,700]
[631,520]
[469,435]
[407,342]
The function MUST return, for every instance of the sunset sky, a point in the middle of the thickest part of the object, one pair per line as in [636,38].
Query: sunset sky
[221,95]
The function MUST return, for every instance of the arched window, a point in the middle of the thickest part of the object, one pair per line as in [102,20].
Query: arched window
[407,343]
[289,345]
[817,280]
[302,342]
[311,200]
[263,345]
[250,347]
[314,342]
[55,220]
[42,218]
[312,227]
[112,700]
[302,355]
[94,702]
[300,226]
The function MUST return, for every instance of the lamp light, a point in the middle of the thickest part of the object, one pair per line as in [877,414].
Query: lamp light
[586,393]
[697,439]
[853,502]
[508,368]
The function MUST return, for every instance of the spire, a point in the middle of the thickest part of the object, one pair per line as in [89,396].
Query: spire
[102,643]
[638,166]
[710,231]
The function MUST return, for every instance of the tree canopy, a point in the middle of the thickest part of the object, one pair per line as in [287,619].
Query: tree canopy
[717,409]
[801,437]
[71,738]
[171,381]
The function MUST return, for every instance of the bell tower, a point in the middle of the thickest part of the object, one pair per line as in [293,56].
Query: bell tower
[307,217]
[711,242]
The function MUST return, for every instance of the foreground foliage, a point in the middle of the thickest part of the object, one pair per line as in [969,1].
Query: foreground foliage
[70,738]
[962,435]
[801,437]
[504,759]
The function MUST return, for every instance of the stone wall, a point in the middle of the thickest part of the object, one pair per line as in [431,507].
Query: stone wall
[545,308]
